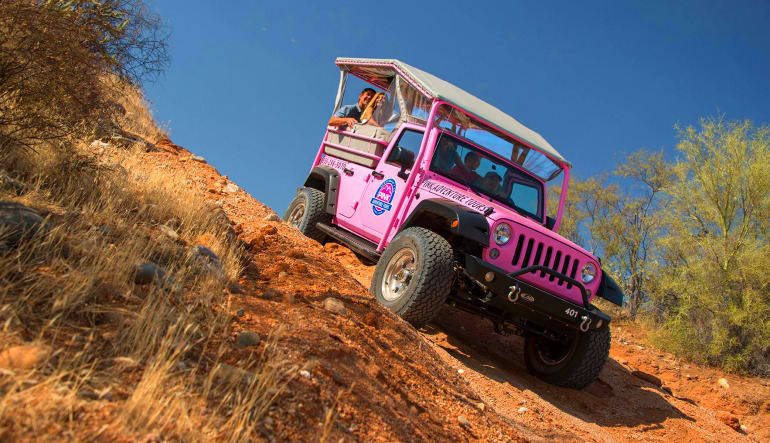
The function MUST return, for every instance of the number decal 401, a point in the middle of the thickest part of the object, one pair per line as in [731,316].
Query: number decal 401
[571,312]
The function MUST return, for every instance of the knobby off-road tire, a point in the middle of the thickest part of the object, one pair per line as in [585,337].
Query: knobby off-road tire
[576,365]
[414,275]
[307,209]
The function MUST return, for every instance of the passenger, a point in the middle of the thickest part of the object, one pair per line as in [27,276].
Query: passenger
[467,172]
[349,115]
[491,183]
[446,155]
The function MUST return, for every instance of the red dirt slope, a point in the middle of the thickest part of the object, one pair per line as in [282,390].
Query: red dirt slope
[392,383]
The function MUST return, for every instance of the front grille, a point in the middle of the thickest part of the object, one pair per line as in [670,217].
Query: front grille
[530,252]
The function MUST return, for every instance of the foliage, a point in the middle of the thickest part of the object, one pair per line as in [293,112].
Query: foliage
[714,296]
[56,60]
[688,241]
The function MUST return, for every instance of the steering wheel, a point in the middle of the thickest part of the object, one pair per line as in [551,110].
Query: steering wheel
[366,115]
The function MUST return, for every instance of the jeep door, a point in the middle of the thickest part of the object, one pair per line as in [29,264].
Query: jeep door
[387,183]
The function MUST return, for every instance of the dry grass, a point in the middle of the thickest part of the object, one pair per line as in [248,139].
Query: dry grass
[134,359]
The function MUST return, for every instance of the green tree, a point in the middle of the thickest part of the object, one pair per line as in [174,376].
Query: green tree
[714,283]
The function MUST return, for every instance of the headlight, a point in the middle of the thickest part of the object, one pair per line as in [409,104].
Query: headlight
[588,273]
[502,233]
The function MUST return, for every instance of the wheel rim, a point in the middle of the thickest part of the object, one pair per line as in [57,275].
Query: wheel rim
[554,353]
[398,274]
[295,217]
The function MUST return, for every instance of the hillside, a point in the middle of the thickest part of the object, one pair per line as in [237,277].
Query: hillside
[286,344]
[427,379]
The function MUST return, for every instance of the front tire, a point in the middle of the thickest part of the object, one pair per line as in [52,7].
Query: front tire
[307,209]
[414,275]
[571,364]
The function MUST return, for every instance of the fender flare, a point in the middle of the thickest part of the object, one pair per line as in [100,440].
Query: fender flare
[327,180]
[609,290]
[439,214]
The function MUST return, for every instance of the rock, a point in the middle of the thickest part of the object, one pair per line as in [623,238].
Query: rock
[269,230]
[723,383]
[239,313]
[745,429]
[523,410]
[413,410]
[283,274]
[464,421]
[729,419]
[288,298]
[231,188]
[198,158]
[24,357]
[667,390]
[168,232]
[648,378]
[461,371]
[234,288]
[246,339]
[296,253]
[300,268]
[273,217]
[208,259]
[688,376]
[98,144]
[19,222]
[481,406]
[145,273]
[370,319]
[331,304]
[305,374]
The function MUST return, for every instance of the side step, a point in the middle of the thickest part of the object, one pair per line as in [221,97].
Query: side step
[357,244]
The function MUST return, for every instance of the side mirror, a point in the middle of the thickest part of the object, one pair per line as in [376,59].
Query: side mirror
[403,157]
[550,222]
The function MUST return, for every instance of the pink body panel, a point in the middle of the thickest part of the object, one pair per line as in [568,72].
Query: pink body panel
[375,207]
[524,229]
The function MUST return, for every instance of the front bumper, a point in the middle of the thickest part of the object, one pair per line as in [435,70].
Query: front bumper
[511,295]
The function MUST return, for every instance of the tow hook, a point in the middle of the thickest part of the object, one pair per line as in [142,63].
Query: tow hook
[513,295]
[585,324]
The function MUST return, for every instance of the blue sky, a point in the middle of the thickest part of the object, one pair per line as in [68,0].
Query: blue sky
[251,84]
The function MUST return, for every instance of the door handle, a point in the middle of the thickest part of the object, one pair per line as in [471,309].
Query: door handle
[347,171]
[379,175]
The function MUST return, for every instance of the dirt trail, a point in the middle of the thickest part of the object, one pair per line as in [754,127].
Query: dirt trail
[390,382]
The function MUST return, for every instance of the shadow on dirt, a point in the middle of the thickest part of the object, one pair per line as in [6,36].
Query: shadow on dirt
[616,398]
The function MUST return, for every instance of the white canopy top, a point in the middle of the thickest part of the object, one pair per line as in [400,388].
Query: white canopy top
[445,91]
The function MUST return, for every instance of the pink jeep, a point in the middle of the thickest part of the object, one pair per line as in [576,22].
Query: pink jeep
[446,193]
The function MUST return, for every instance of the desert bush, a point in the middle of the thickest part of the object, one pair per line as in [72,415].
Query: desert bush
[56,61]
[713,299]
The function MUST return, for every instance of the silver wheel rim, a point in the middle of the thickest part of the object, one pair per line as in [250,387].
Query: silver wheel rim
[295,217]
[398,274]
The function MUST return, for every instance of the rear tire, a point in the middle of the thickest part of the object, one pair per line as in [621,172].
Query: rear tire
[307,209]
[414,275]
[574,364]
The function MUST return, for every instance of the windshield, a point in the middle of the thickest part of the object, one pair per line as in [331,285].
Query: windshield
[453,120]
[486,174]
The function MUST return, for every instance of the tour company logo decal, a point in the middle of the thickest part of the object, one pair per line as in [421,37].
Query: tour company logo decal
[383,197]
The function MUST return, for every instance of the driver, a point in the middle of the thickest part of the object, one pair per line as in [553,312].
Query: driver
[466,171]
[349,115]
[491,183]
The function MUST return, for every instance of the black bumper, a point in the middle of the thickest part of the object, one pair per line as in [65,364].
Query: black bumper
[509,294]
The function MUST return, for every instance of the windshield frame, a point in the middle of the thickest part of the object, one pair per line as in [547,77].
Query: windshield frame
[527,177]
